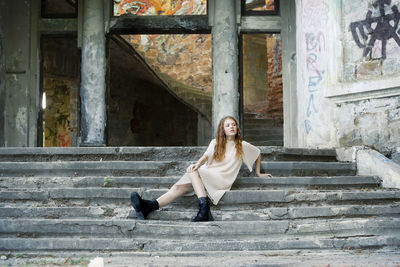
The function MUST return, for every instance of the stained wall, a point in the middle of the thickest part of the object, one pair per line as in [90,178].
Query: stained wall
[19,22]
[348,85]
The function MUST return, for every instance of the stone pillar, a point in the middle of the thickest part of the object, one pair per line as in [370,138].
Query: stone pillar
[225,62]
[93,106]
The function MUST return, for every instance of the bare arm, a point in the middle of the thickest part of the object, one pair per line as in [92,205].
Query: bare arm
[258,166]
[194,167]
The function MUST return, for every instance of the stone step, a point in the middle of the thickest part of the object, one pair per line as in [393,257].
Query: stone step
[262,124]
[147,154]
[264,137]
[310,182]
[266,121]
[127,244]
[262,131]
[233,197]
[175,213]
[293,258]
[163,168]
[176,230]
[240,183]
[268,142]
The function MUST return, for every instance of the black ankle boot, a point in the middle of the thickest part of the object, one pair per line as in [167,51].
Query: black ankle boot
[143,207]
[204,214]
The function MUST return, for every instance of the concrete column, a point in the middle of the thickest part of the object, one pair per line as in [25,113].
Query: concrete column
[225,62]
[93,106]
[2,78]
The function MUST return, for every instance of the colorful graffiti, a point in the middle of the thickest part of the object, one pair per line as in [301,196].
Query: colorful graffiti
[260,5]
[184,57]
[160,7]
[384,27]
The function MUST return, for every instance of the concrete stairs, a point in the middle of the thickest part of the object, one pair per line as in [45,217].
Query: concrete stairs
[263,131]
[77,199]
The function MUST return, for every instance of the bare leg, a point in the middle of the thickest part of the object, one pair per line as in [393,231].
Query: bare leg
[197,184]
[173,193]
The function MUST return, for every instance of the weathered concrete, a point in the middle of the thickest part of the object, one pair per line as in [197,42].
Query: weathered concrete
[96,244]
[14,18]
[371,162]
[177,213]
[225,62]
[370,122]
[67,210]
[396,156]
[2,78]
[289,73]
[153,153]
[231,197]
[169,168]
[93,106]
[297,258]
[246,230]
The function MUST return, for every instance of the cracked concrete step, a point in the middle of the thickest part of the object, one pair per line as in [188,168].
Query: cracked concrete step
[127,244]
[177,230]
[150,154]
[100,195]
[185,214]
[343,182]
[164,168]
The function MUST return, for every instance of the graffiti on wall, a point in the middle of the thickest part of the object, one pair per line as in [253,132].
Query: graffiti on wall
[315,14]
[383,27]
[157,7]
[315,46]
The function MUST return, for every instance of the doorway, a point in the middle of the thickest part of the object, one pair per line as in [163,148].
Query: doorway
[261,88]
[59,116]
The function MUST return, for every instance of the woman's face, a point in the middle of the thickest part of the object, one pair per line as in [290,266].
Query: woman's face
[230,127]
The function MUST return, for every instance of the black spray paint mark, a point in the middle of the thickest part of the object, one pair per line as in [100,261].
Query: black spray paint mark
[385,29]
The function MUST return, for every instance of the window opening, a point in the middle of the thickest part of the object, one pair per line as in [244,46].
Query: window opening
[160,7]
[260,7]
[160,89]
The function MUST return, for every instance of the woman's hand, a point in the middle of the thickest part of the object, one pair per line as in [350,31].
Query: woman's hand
[192,168]
[264,175]
[258,167]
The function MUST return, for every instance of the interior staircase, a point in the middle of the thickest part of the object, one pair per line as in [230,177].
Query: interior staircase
[77,199]
[263,131]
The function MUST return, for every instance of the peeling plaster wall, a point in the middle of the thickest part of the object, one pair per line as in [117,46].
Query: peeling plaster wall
[374,122]
[316,36]
[337,67]
[364,62]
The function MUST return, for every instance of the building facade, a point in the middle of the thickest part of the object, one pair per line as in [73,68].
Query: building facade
[339,63]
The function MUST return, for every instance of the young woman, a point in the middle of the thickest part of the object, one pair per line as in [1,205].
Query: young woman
[223,157]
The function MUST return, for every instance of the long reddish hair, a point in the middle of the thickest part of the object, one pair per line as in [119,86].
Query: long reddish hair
[220,145]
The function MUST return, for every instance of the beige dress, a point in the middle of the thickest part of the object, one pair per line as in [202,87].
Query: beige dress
[218,177]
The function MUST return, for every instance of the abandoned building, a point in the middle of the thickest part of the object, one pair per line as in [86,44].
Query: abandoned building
[308,80]
[130,73]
